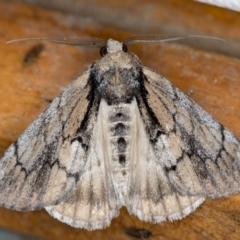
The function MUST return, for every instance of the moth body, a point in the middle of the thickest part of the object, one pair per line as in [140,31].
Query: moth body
[117,85]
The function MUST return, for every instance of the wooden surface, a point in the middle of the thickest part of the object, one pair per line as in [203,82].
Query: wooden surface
[213,81]
[159,16]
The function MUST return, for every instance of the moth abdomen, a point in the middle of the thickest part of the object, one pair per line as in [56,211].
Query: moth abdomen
[121,117]
[122,159]
[119,129]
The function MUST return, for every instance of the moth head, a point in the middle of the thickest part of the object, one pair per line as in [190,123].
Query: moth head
[113,46]
[118,74]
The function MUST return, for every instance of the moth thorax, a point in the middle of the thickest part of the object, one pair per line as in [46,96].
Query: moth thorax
[117,77]
[119,85]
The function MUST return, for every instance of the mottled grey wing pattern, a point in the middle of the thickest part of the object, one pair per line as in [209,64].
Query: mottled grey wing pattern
[94,202]
[198,154]
[43,166]
[151,196]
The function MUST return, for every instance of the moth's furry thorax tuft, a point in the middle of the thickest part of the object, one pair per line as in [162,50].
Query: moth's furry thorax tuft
[117,76]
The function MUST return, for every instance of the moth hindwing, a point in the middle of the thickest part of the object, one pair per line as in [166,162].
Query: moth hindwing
[119,135]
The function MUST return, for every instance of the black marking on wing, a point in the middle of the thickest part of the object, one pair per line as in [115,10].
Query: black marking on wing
[83,135]
[44,158]
[41,170]
[153,126]
[91,98]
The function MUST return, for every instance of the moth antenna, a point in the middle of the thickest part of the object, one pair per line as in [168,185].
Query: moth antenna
[75,41]
[152,38]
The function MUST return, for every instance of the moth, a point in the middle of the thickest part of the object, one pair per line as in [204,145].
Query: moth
[119,135]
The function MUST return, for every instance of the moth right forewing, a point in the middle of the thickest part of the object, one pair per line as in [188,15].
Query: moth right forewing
[151,195]
[202,156]
[40,167]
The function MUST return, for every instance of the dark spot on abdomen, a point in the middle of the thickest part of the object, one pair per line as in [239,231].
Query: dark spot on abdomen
[120,129]
[119,115]
[122,144]
[122,159]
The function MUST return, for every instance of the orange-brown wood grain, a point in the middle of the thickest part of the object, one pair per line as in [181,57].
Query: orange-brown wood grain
[154,14]
[160,16]
[212,80]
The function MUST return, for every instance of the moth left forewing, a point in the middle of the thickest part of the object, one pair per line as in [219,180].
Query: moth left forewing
[42,166]
[199,156]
